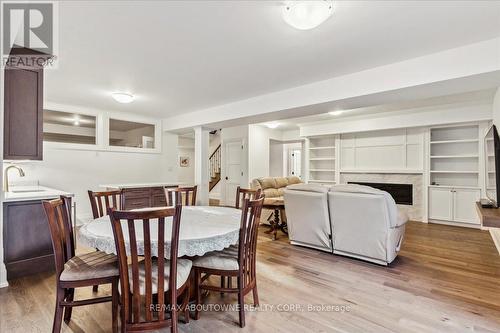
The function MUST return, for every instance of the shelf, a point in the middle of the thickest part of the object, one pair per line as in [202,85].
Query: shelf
[322,159]
[321,181]
[322,170]
[319,148]
[463,172]
[455,156]
[455,141]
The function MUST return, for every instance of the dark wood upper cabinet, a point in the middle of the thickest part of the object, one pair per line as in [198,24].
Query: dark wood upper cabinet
[23,114]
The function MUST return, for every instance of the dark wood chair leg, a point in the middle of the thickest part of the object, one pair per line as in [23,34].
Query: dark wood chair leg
[114,306]
[255,296]
[173,328]
[70,294]
[58,315]
[95,289]
[197,278]
[241,302]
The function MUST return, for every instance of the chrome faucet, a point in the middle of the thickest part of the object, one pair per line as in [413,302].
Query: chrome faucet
[6,176]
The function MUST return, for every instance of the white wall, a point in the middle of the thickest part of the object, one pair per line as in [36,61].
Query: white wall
[77,171]
[496,108]
[186,148]
[258,149]
[276,159]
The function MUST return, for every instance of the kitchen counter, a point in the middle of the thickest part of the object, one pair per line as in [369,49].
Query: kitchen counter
[140,185]
[27,193]
[26,235]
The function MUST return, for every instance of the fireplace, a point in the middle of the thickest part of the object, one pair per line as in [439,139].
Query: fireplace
[402,193]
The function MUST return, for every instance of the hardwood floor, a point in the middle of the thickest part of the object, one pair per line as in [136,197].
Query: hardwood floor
[446,279]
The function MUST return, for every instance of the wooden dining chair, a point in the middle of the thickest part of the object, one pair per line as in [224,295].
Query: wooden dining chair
[74,271]
[230,263]
[103,200]
[185,196]
[151,284]
[100,202]
[246,193]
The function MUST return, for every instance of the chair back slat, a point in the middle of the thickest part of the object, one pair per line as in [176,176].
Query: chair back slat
[102,201]
[185,196]
[148,263]
[58,216]
[246,193]
[250,219]
[132,305]
[161,268]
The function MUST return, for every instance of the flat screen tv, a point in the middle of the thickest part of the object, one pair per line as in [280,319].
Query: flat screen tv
[492,146]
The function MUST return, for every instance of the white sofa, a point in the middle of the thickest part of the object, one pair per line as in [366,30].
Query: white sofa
[362,222]
[308,220]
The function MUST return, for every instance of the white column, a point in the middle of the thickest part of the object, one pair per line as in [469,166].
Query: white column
[3,271]
[201,175]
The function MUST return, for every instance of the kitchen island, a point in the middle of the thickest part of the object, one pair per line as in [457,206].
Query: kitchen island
[26,236]
[142,195]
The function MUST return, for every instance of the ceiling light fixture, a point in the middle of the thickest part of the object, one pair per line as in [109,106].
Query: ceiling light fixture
[305,15]
[122,97]
[335,113]
[272,125]
[76,121]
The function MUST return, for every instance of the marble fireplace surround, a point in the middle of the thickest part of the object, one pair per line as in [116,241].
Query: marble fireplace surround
[415,211]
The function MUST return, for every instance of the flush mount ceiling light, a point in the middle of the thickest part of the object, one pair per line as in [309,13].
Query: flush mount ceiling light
[305,15]
[272,125]
[76,120]
[122,97]
[335,113]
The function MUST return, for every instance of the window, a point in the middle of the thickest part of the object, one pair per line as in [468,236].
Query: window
[69,127]
[131,134]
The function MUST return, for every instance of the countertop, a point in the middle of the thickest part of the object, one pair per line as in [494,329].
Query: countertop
[139,185]
[26,193]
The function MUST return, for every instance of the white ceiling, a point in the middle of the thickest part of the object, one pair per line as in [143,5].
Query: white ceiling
[182,56]
[486,96]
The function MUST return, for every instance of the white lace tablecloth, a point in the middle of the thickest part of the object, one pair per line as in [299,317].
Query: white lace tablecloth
[203,229]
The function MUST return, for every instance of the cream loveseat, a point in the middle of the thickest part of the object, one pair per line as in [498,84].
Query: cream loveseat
[273,187]
[364,222]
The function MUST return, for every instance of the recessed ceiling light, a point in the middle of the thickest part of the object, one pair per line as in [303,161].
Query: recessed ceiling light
[305,15]
[335,113]
[76,120]
[122,97]
[272,125]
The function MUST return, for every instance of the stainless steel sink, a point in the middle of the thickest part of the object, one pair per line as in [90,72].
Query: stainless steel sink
[27,191]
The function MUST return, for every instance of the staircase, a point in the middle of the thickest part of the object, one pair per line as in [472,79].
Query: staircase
[214,168]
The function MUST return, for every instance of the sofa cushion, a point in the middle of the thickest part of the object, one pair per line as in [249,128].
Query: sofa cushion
[281,191]
[271,193]
[281,182]
[274,201]
[293,180]
[309,188]
[267,182]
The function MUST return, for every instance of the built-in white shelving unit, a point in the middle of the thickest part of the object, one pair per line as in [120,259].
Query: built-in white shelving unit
[455,173]
[454,156]
[321,159]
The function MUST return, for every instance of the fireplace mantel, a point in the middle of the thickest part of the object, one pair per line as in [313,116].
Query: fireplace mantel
[412,172]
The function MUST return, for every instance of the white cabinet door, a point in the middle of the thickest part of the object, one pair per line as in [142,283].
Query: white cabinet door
[440,203]
[464,205]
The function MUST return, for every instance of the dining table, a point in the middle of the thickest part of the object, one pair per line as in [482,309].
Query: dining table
[203,229]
